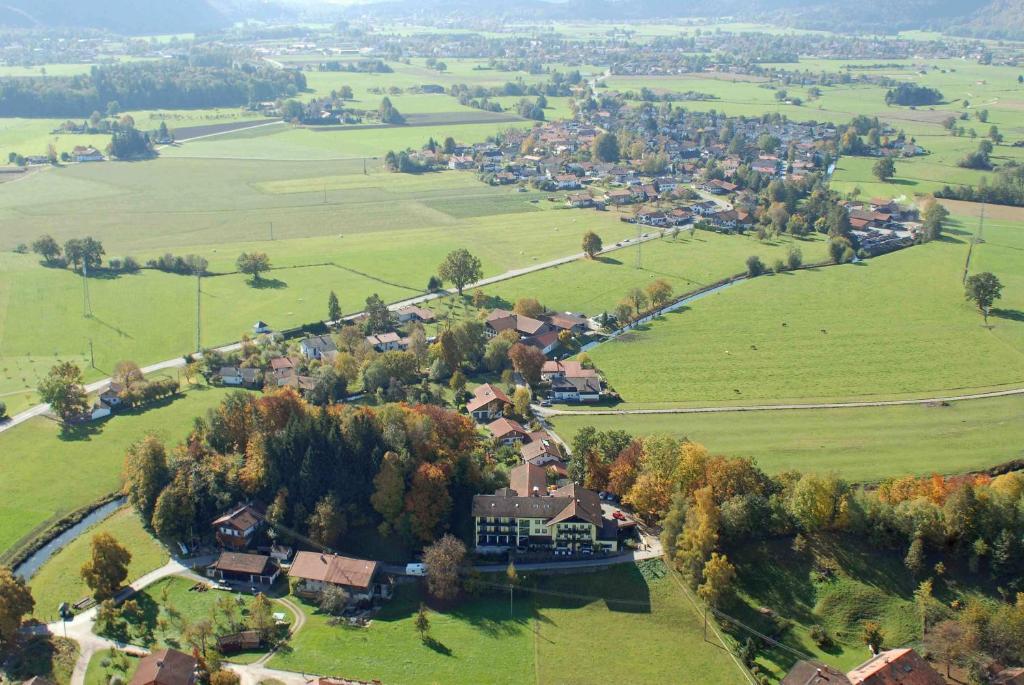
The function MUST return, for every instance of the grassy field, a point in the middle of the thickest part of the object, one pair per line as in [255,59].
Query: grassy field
[547,638]
[48,474]
[103,665]
[862,444]
[59,580]
[893,326]
[173,600]
[238,204]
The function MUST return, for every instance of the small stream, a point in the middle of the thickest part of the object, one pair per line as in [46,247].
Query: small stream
[669,308]
[28,568]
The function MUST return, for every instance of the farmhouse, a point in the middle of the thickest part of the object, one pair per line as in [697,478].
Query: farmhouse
[165,667]
[461,162]
[503,320]
[112,395]
[579,200]
[86,153]
[488,403]
[256,570]
[316,346]
[236,529]
[100,410]
[358,577]
[525,517]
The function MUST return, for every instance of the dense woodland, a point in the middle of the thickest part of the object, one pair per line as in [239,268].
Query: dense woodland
[412,471]
[713,506]
[145,85]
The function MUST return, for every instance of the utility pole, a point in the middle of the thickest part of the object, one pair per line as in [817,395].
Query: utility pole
[271,230]
[87,303]
[639,248]
[705,624]
[199,278]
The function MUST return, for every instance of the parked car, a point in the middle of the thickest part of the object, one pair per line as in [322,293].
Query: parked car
[546,403]
[618,515]
[415,569]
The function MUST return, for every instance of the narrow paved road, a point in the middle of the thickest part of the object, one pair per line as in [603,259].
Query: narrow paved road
[547,411]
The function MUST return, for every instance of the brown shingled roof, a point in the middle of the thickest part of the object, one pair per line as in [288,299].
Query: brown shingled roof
[334,569]
[166,667]
[239,562]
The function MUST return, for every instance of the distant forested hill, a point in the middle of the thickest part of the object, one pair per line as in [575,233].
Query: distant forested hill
[128,17]
[998,19]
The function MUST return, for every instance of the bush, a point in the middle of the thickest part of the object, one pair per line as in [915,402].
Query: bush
[755,267]
[795,258]
[820,636]
[778,266]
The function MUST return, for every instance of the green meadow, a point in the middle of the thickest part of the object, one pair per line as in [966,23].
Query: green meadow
[49,473]
[59,579]
[894,326]
[862,444]
[547,636]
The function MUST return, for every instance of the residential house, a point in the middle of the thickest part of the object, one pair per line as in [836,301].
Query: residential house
[282,367]
[541,450]
[412,312]
[386,342]
[234,375]
[705,208]
[361,579]
[503,320]
[244,569]
[526,517]
[508,432]
[488,403]
[567,321]
[546,342]
[86,153]
[566,182]
[895,667]
[237,528]
[719,187]
[301,384]
[576,389]
[100,410]
[461,162]
[166,667]
[315,346]
[561,369]
[260,327]
[620,196]
[112,395]
[579,200]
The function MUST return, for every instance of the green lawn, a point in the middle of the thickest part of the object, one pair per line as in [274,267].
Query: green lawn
[59,579]
[170,605]
[548,638]
[893,326]
[862,444]
[48,474]
[104,664]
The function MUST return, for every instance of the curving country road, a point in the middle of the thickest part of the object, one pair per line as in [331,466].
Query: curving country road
[547,411]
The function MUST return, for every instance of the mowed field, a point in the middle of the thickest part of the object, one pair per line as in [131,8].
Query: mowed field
[47,474]
[334,228]
[861,444]
[547,638]
[894,326]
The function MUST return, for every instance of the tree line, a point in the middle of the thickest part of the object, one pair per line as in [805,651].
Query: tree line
[146,85]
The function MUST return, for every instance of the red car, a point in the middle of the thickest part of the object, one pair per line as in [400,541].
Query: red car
[618,515]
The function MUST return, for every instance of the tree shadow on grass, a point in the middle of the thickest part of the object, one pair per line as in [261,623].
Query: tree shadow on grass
[1009,314]
[268,284]
[75,432]
[437,646]
[608,260]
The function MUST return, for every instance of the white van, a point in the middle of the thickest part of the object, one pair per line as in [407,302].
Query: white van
[415,569]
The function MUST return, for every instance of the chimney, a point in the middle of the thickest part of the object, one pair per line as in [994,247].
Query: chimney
[536,491]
